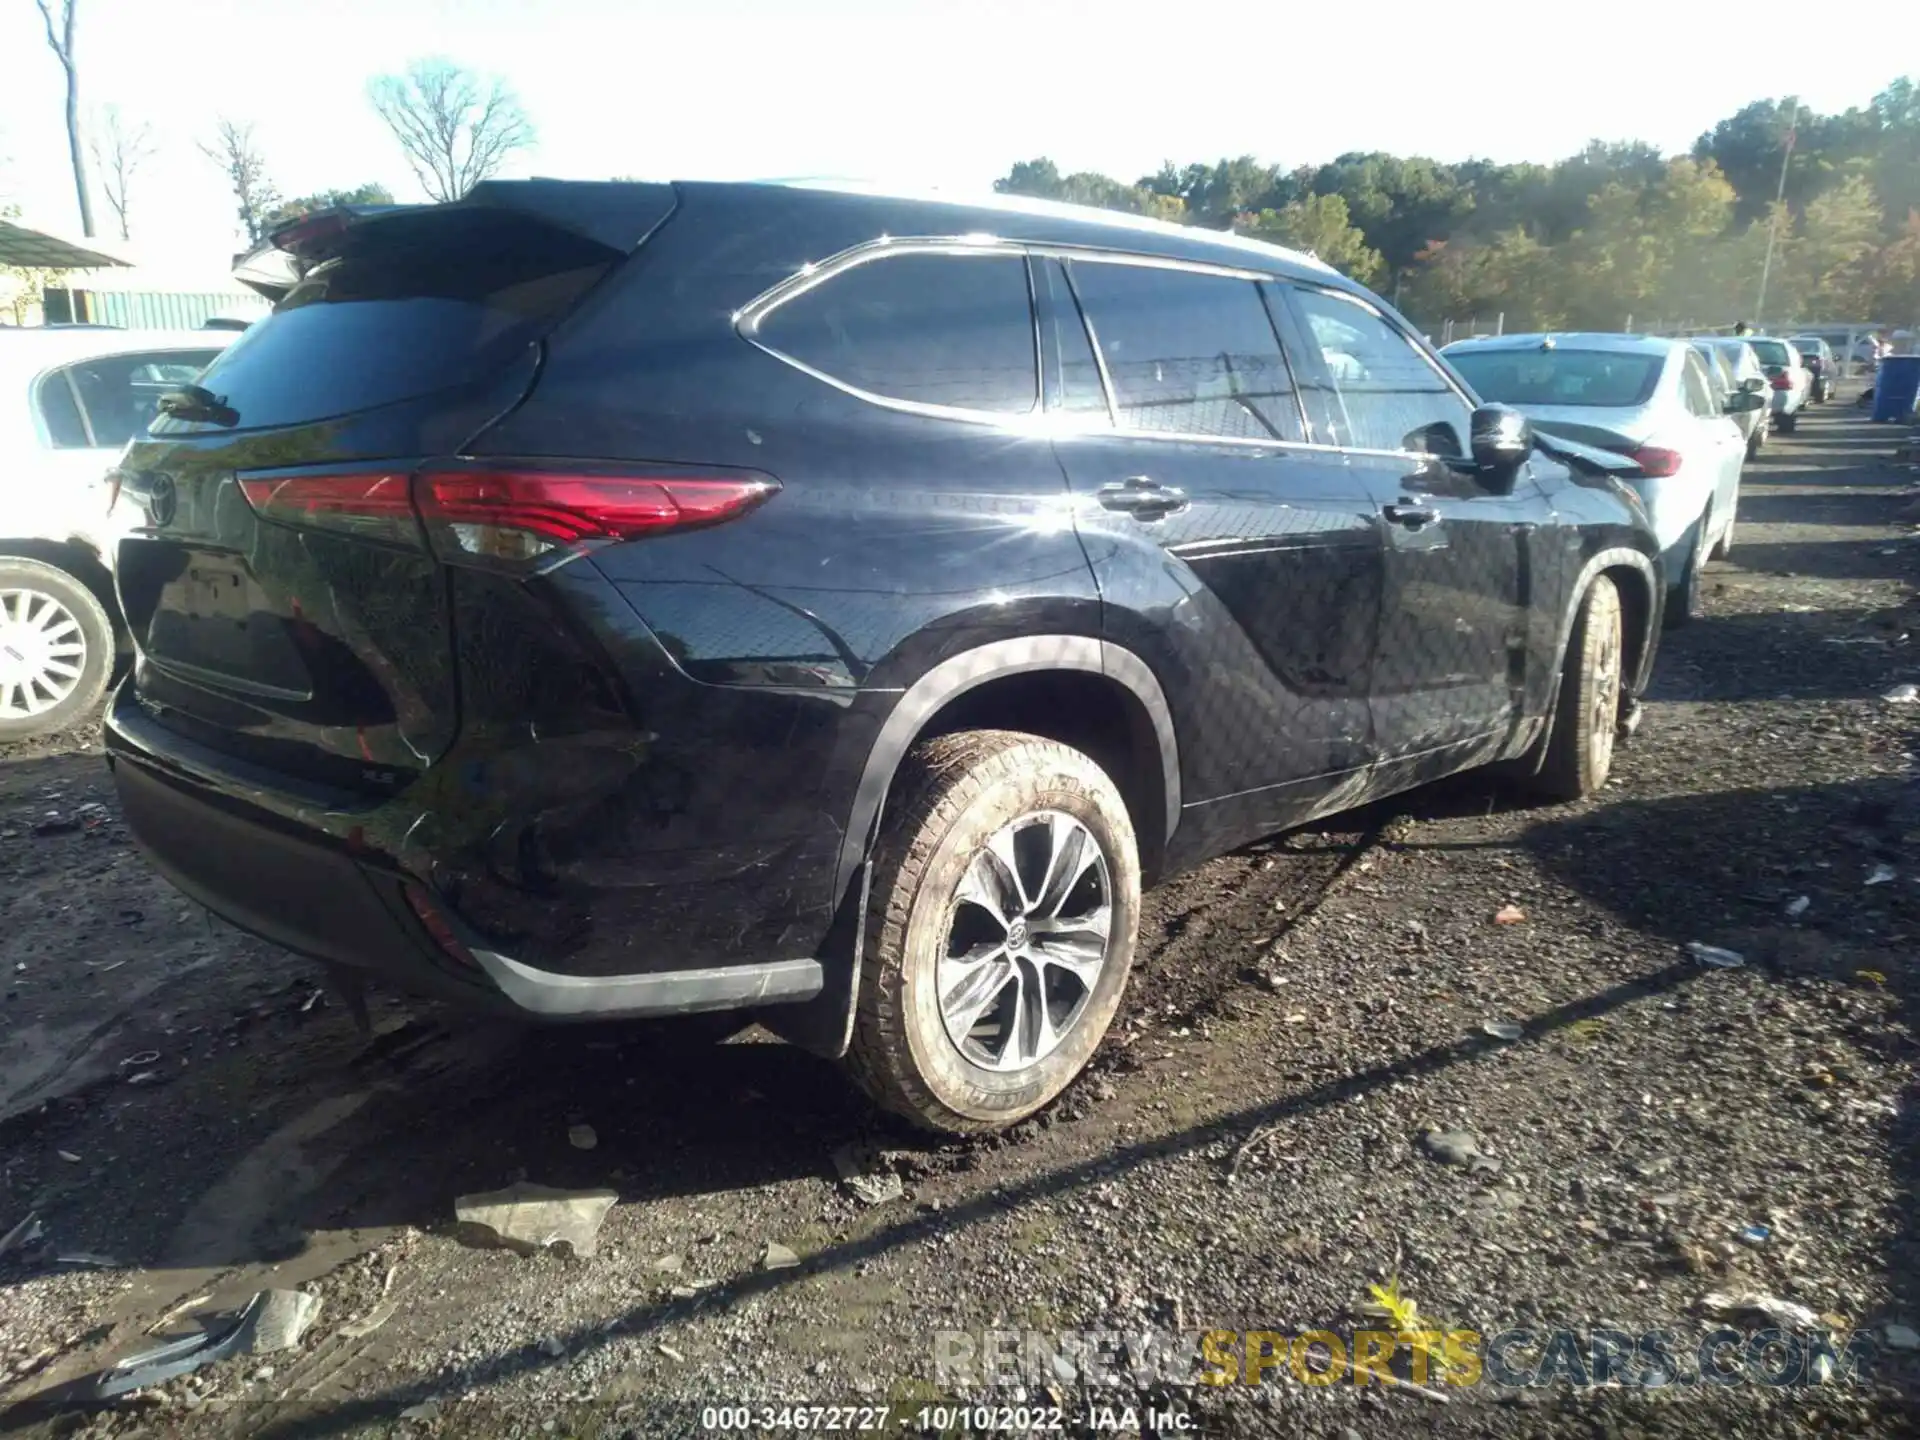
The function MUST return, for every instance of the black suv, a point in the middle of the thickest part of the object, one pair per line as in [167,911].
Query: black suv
[607,600]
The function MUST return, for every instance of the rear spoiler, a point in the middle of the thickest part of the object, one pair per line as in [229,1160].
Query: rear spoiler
[617,215]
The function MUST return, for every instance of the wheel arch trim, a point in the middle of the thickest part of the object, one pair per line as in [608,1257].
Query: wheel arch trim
[1619,557]
[956,675]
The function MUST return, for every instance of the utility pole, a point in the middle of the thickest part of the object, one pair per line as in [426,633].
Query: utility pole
[1773,217]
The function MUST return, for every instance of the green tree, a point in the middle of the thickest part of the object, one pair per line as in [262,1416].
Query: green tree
[1320,225]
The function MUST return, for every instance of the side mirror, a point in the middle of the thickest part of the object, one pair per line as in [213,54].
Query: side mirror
[1754,384]
[1744,402]
[1502,439]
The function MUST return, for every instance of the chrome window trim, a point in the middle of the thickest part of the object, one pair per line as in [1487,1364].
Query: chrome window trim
[1039,421]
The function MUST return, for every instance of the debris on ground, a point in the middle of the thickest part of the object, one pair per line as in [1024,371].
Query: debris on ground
[1900,1337]
[866,1181]
[23,1234]
[369,1322]
[1726,1305]
[1716,956]
[582,1137]
[273,1320]
[1458,1147]
[282,1317]
[1906,694]
[1799,906]
[1509,915]
[91,1259]
[1503,1029]
[1882,875]
[530,1218]
[778,1257]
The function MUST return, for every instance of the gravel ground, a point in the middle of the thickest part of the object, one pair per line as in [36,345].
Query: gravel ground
[1250,1153]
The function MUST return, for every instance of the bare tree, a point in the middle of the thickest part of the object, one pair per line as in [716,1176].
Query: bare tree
[239,158]
[119,151]
[456,129]
[60,35]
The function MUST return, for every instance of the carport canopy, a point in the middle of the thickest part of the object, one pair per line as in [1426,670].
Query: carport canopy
[42,250]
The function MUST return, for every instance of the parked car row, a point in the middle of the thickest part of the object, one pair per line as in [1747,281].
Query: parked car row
[843,628]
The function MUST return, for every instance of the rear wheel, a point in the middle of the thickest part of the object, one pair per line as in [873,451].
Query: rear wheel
[1587,715]
[1006,895]
[56,649]
[1785,421]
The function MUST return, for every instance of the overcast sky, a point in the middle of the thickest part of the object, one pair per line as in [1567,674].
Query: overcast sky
[947,93]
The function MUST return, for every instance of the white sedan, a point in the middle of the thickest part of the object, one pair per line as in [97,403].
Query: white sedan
[1648,398]
[70,398]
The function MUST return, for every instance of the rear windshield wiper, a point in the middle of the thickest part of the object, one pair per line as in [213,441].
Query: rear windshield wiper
[190,402]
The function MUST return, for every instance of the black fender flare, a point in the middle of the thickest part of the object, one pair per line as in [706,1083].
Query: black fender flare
[1617,557]
[824,1024]
[954,676]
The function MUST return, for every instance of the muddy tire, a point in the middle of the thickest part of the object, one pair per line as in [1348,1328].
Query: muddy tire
[1587,715]
[1000,930]
[56,649]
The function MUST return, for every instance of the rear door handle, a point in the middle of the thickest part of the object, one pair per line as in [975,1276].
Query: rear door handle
[1412,516]
[1143,497]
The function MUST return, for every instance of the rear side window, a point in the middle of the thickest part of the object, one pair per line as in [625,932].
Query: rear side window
[117,395]
[1189,354]
[1771,352]
[412,306]
[932,329]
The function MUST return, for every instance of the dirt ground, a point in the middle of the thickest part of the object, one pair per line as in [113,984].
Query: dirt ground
[192,1120]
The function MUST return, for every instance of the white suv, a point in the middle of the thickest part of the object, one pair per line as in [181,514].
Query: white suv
[70,399]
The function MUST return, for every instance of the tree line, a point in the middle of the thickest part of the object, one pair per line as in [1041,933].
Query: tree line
[1825,207]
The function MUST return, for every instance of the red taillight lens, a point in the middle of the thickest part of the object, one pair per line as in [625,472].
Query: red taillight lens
[1782,381]
[375,506]
[521,515]
[1656,460]
[509,515]
[435,924]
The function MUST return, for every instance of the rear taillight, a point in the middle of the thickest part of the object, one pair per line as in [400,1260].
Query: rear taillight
[1782,381]
[374,506]
[511,515]
[1657,460]
[435,924]
[524,515]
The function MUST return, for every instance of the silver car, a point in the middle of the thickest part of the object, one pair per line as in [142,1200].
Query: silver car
[1649,398]
[1738,369]
[1788,377]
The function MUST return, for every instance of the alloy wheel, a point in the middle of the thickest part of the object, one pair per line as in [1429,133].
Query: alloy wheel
[43,652]
[1028,939]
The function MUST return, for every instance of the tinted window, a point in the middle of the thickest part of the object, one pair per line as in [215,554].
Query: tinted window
[60,415]
[1189,354]
[414,306]
[1384,394]
[1771,352]
[1607,379]
[120,394]
[1073,373]
[954,330]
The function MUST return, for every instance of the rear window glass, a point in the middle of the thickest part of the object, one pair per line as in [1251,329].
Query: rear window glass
[414,306]
[1771,352]
[950,330]
[1604,379]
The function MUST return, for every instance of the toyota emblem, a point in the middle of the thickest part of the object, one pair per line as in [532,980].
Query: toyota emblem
[162,500]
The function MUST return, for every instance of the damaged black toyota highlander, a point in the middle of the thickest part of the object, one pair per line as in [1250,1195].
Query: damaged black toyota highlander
[606,600]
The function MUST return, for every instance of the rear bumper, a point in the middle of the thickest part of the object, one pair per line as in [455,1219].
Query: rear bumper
[220,838]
